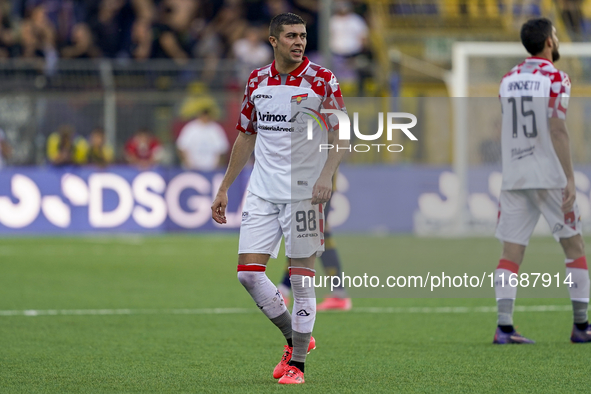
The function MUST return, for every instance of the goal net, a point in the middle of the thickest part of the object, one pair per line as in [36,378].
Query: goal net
[467,201]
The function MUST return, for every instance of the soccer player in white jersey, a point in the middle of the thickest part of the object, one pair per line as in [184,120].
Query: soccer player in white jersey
[538,177]
[290,182]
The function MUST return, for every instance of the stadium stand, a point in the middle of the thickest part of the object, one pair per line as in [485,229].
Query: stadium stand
[129,64]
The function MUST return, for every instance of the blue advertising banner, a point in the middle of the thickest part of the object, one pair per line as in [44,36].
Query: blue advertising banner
[389,199]
[122,199]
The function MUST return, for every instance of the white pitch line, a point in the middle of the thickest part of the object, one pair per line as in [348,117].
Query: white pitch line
[225,311]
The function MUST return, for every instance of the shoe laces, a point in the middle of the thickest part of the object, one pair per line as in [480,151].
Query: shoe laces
[286,354]
[292,371]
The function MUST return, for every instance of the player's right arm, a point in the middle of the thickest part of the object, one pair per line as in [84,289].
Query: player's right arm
[241,151]
[561,143]
[243,148]
[558,105]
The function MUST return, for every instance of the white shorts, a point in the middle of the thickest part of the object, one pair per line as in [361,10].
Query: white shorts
[263,224]
[519,212]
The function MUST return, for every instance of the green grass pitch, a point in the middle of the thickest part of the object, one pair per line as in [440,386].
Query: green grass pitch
[151,349]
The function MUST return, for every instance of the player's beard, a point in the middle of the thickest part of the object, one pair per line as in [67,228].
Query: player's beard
[555,55]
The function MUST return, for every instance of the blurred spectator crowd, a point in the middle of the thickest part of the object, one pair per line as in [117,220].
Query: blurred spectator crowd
[201,143]
[144,29]
[41,32]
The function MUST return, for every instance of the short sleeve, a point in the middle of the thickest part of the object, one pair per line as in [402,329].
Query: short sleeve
[559,96]
[247,121]
[333,100]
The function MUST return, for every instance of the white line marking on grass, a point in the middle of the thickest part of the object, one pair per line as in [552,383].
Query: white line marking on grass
[226,311]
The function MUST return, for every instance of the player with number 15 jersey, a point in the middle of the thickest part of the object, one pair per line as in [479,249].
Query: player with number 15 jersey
[538,177]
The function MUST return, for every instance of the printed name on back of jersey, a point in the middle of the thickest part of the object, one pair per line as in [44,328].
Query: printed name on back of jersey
[524,85]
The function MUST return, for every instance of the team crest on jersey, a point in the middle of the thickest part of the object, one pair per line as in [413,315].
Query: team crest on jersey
[299,98]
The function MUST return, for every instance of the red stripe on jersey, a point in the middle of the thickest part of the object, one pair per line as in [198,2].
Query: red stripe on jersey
[274,81]
[321,218]
[570,220]
[508,265]
[292,81]
[581,263]
[301,271]
[251,267]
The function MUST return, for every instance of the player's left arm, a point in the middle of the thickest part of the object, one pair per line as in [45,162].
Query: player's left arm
[322,190]
[561,140]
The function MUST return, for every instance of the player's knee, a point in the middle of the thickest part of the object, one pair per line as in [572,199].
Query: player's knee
[513,252]
[574,247]
[248,279]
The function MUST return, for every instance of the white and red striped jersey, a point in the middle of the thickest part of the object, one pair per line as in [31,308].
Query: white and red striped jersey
[277,109]
[530,94]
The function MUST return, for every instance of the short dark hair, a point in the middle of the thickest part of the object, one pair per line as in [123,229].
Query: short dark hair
[534,34]
[287,18]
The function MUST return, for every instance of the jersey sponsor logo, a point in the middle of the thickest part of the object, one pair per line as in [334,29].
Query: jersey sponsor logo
[269,117]
[262,96]
[302,183]
[276,128]
[299,98]
[302,312]
[518,154]
[311,235]
[244,215]
[524,85]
